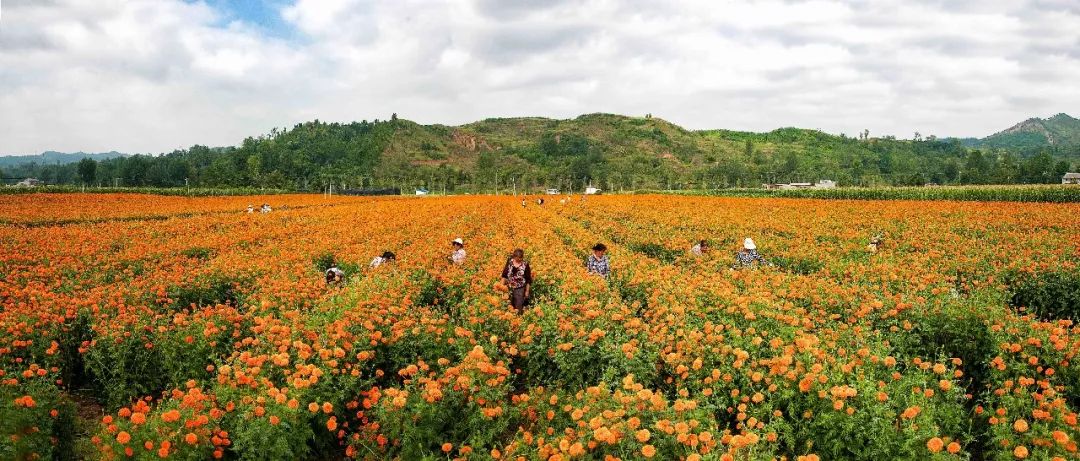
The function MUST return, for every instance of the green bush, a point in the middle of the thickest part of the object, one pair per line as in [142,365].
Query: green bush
[795,265]
[36,421]
[1051,296]
[206,290]
[656,251]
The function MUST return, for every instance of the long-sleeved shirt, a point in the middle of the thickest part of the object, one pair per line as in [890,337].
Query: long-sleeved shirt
[458,256]
[747,259]
[517,275]
[599,266]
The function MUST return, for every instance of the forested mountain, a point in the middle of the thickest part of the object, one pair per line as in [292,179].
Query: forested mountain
[1034,133]
[611,151]
[53,157]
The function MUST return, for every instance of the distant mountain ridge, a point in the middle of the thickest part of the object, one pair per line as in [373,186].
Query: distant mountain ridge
[1059,130]
[56,158]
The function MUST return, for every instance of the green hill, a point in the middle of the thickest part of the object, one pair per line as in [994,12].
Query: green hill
[1059,130]
[53,157]
[531,153]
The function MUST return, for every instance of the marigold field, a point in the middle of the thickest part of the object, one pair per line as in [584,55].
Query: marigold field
[148,327]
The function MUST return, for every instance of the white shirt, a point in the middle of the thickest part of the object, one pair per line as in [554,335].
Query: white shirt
[696,250]
[336,272]
[265,209]
[377,262]
[458,256]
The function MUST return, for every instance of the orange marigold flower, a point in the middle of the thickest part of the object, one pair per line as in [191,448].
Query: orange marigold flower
[935,444]
[1020,452]
[642,435]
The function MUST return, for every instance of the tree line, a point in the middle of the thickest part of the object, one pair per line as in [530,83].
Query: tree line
[615,153]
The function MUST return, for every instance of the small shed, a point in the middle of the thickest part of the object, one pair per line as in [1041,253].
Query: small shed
[1071,178]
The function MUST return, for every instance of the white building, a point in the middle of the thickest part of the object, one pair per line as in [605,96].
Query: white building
[1071,178]
[29,182]
[825,184]
[822,184]
[553,191]
[592,190]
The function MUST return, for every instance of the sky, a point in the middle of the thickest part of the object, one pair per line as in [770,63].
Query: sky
[150,76]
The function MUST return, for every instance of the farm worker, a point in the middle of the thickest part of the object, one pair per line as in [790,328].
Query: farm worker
[251,209]
[458,255]
[334,275]
[748,255]
[700,248]
[517,276]
[387,257]
[875,244]
[597,263]
[265,208]
[523,203]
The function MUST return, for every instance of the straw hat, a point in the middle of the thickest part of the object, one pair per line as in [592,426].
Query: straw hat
[749,244]
[459,241]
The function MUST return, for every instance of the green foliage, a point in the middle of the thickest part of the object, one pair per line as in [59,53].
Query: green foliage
[1052,296]
[656,251]
[36,421]
[796,265]
[200,253]
[87,170]
[208,289]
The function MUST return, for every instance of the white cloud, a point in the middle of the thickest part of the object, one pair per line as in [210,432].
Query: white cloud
[153,75]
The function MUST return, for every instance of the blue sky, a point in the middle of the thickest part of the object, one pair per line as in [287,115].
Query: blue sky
[150,76]
[265,14]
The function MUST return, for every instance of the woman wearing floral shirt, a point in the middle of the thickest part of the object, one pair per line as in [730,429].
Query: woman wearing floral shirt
[748,255]
[517,275]
[598,261]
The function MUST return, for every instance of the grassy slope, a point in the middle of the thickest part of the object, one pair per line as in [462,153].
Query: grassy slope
[1036,132]
[619,138]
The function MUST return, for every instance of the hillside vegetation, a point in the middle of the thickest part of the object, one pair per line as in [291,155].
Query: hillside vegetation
[1035,133]
[611,151]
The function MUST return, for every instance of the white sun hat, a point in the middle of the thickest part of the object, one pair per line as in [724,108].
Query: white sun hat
[459,241]
[749,244]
